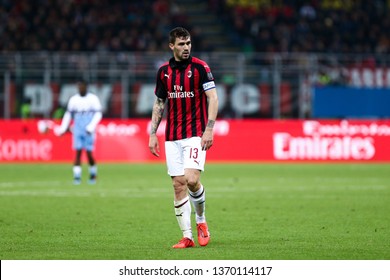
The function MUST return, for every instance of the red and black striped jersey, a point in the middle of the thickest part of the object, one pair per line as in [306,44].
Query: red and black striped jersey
[184,84]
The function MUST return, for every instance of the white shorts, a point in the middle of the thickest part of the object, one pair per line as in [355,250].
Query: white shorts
[184,154]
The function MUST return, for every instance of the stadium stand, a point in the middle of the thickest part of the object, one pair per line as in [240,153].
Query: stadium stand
[87,25]
[350,26]
[328,26]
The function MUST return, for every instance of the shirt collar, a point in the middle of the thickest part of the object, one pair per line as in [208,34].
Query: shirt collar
[181,65]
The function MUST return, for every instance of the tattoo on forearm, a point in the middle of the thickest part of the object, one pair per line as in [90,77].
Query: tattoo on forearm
[158,110]
[210,123]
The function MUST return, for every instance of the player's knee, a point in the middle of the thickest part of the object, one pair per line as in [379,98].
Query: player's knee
[179,184]
[180,189]
[192,183]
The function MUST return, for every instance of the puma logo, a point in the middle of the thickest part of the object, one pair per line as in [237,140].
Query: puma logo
[166,75]
[197,162]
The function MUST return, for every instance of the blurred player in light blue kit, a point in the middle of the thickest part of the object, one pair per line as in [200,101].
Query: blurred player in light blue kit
[86,111]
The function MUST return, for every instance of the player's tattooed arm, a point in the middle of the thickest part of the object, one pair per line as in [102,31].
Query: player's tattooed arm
[158,111]
[210,124]
[213,108]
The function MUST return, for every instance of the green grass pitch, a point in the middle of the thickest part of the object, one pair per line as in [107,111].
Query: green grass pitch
[254,211]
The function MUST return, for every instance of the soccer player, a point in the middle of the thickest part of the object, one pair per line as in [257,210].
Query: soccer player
[188,87]
[86,111]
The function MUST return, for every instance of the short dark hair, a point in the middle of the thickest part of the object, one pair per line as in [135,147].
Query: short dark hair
[82,81]
[178,32]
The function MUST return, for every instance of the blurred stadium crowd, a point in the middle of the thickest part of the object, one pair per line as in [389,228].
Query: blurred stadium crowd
[86,25]
[337,26]
[348,26]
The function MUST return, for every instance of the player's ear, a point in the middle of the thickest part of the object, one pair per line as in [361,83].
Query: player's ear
[171,46]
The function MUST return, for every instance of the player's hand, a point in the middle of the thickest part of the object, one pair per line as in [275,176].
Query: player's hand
[89,129]
[58,131]
[154,146]
[207,139]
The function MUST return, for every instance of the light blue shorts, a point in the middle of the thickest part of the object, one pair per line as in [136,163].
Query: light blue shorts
[84,141]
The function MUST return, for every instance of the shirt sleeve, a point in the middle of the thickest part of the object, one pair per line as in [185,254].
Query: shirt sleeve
[160,90]
[97,116]
[97,106]
[206,78]
[66,119]
[70,106]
